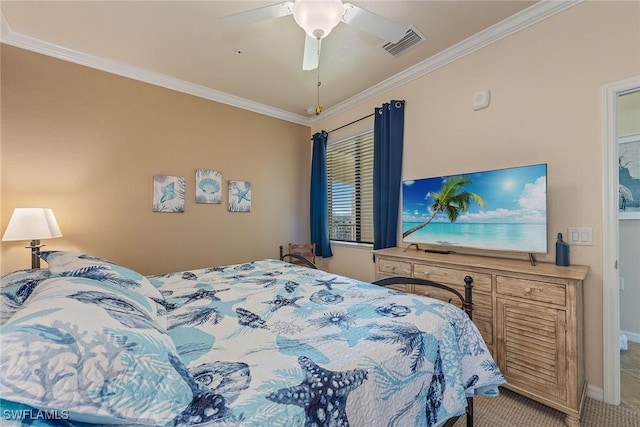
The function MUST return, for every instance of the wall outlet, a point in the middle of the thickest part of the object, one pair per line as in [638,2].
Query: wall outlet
[621,283]
[581,236]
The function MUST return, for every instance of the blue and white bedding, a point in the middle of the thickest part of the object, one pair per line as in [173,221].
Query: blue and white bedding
[264,343]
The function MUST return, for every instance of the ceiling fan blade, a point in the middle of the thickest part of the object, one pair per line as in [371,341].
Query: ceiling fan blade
[311,53]
[371,23]
[259,14]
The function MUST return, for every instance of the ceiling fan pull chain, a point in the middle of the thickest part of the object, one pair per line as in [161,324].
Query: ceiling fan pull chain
[318,106]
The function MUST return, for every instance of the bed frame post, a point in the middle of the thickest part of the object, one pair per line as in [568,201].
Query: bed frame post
[468,302]
[281,252]
[468,308]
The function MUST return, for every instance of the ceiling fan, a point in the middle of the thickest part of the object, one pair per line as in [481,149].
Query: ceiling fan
[318,18]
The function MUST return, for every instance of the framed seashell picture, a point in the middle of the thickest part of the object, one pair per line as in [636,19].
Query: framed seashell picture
[239,196]
[168,193]
[208,186]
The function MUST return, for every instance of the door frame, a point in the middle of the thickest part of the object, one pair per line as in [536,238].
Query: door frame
[610,290]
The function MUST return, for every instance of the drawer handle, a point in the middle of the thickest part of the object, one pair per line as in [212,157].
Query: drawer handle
[529,290]
[393,268]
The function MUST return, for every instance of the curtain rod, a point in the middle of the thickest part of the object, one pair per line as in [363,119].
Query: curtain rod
[355,121]
[350,123]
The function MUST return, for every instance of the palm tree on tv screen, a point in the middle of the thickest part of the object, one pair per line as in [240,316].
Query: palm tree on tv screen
[451,200]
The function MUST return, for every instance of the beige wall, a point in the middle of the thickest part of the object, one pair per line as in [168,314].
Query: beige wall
[546,106]
[629,231]
[87,144]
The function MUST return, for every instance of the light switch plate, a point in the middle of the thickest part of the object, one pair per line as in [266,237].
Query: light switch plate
[580,236]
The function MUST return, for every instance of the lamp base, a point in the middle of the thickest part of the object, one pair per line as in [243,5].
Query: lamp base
[35,248]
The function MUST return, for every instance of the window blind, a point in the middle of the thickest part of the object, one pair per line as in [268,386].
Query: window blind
[350,187]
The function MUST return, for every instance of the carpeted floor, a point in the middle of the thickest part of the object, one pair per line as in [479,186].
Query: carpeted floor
[630,376]
[512,410]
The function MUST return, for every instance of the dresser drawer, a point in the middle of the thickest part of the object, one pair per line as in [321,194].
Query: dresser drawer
[436,293]
[388,267]
[531,290]
[482,304]
[403,288]
[482,307]
[451,276]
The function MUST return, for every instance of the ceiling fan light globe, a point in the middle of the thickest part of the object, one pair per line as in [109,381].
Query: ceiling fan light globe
[318,17]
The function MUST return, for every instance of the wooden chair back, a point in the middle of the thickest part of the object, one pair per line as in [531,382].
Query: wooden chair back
[300,253]
[307,250]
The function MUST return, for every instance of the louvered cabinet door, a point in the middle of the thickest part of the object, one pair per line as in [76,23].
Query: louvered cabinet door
[531,347]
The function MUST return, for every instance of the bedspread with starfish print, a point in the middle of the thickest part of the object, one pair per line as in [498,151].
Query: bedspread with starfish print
[267,343]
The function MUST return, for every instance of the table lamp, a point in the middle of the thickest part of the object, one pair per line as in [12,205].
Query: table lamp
[32,224]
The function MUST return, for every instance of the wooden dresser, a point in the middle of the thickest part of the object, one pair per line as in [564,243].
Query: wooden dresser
[529,316]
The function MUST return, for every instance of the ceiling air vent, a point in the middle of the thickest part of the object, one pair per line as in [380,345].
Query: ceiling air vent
[412,38]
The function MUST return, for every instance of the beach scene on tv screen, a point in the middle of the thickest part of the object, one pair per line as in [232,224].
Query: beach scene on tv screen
[502,209]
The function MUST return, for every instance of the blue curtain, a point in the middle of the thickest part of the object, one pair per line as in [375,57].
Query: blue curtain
[319,193]
[388,137]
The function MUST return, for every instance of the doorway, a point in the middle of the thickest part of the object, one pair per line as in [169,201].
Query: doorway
[629,249]
[611,236]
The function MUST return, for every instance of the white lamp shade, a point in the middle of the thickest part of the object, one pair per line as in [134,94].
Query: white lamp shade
[32,224]
[318,17]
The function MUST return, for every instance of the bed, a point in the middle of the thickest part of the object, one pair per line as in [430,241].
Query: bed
[263,343]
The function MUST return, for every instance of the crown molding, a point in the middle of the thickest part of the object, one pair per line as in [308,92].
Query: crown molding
[536,13]
[530,16]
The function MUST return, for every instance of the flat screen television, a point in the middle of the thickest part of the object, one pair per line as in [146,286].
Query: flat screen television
[499,209]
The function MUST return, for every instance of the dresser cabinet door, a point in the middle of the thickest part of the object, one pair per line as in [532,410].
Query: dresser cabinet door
[531,346]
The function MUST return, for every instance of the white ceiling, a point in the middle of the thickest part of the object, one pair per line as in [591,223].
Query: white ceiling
[183,46]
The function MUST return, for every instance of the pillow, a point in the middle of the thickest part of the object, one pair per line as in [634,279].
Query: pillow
[15,288]
[76,264]
[92,349]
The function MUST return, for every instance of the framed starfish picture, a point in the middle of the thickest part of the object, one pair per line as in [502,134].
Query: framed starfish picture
[208,186]
[239,196]
[168,193]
